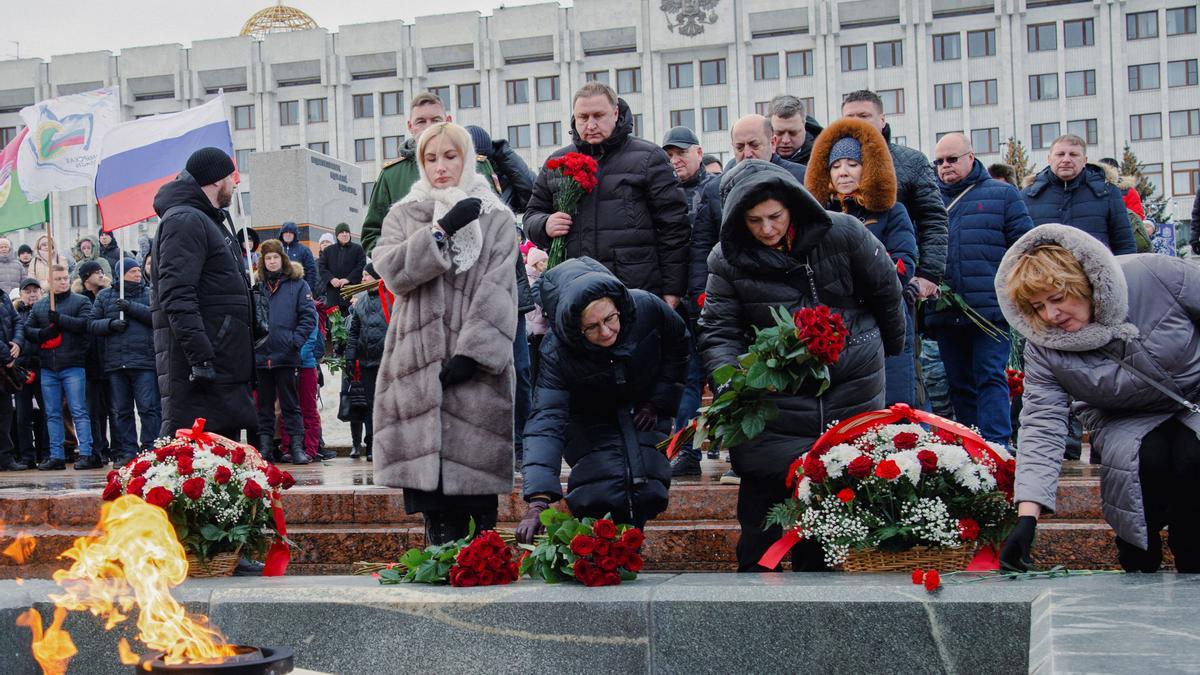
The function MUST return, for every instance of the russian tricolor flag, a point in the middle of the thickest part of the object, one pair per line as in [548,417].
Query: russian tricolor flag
[141,156]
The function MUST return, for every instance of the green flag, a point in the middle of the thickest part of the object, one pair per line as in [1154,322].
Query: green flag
[15,212]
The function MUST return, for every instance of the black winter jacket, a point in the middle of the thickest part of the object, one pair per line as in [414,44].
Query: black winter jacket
[917,190]
[30,350]
[11,330]
[833,258]
[200,308]
[1087,202]
[516,180]
[133,349]
[341,262]
[635,222]
[73,313]
[293,318]
[112,253]
[798,170]
[368,331]
[585,397]
[703,192]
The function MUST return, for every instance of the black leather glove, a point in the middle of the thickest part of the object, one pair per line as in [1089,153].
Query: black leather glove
[1014,555]
[531,523]
[203,373]
[460,215]
[52,315]
[118,325]
[457,370]
[122,305]
[645,418]
[910,294]
[50,332]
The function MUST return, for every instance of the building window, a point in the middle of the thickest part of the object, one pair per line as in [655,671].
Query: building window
[364,149]
[684,118]
[889,54]
[391,146]
[245,202]
[637,125]
[7,134]
[547,88]
[317,109]
[715,119]
[893,101]
[1145,127]
[1085,129]
[242,159]
[854,57]
[810,103]
[367,189]
[364,106]
[391,103]
[762,108]
[597,76]
[1154,174]
[289,146]
[468,95]
[1081,83]
[1079,33]
[800,64]
[289,113]
[1042,135]
[900,140]
[984,92]
[1042,37]
[518,135]
[985,141]
[680,76]
[947,96]
[1144,76]
[549,133]
[1185,123]
[79,216]
[1181,73]
[517,91]
[712,72]
[443,94]
[1185,178]
[981,43]
[1181,20]
[629,80]
[243,118]
[1141,25]
[320,146]
[942,134]
[1043,87]
[947,47]
[766,66]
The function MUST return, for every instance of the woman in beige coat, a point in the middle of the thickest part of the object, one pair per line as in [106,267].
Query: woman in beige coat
[443,401]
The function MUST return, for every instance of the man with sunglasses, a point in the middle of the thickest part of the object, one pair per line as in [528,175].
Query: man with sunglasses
[986,217]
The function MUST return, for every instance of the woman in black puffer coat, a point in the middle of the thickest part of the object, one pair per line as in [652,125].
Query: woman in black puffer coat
[364,351]
[779,247]
[612,371]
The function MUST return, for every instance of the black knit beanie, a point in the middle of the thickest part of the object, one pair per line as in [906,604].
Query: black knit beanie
[209,165]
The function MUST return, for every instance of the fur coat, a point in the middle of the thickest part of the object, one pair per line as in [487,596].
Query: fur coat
[458,297]
[1144,309]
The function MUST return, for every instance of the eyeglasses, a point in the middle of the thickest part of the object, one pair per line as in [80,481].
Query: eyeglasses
[611,322]
[952,159]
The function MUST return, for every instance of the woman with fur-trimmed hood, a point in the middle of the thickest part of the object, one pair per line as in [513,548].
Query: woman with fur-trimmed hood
[443,410]
[850,171]
[1119,336]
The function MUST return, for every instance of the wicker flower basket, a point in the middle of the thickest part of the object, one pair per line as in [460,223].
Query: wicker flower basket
[942,559]
[220,565]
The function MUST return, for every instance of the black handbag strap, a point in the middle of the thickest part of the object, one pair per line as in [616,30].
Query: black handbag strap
[1129,368]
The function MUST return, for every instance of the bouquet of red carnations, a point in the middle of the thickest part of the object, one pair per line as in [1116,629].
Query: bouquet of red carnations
[573,176]
[594,552]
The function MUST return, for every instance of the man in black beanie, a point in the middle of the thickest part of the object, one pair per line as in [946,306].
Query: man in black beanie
[201,306]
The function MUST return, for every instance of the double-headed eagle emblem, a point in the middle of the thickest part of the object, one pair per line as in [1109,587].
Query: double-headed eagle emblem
[688,17]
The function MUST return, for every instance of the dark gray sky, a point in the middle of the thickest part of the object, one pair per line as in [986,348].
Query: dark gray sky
[69,26]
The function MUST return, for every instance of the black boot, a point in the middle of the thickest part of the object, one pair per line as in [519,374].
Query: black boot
[368,451]
[266,447]
[299,456]
[356,451]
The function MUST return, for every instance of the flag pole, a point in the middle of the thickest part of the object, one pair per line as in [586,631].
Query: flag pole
[121,271]
[50,259]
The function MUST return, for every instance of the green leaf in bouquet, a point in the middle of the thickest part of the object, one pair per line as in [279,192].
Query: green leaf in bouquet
[752,425]
[413,558]
[724,374]
[212,533]
[758,376]
[626,575]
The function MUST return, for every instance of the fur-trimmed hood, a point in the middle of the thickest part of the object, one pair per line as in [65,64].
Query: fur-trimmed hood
[877,191]
[1110,292]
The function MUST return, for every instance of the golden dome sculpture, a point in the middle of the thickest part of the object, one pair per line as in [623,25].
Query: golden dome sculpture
[278,18]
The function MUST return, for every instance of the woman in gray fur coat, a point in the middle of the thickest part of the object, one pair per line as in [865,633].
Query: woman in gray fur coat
[443,401]
[1119,336]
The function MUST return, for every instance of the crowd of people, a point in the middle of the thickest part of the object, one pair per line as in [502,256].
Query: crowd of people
[468,358]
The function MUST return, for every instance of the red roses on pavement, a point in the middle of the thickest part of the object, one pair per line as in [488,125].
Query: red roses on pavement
[486,561]
[594,552]
[929,578]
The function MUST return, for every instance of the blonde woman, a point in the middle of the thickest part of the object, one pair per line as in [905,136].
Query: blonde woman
[443,411]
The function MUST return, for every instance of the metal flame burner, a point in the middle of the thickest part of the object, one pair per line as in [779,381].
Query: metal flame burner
[247,661]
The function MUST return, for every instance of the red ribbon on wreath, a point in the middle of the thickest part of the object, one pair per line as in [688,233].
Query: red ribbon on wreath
[196,433]
[280,554]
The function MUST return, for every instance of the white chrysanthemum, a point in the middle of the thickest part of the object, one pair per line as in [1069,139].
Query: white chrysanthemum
[950,457]
[838,458]
[804,491]
[910,466]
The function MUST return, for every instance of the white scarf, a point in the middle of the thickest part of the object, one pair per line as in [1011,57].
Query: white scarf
[467,243]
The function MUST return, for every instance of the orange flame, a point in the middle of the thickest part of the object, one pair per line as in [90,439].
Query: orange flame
[21,548]
[54,648]
[128,656]
[136,560]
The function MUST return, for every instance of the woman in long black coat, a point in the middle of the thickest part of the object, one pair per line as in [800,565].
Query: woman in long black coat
[612,371]
[779,247]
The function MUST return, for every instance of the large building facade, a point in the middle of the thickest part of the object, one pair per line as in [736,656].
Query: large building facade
[1112,71]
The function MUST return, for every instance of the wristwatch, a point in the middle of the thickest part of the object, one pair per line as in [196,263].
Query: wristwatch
[439,235]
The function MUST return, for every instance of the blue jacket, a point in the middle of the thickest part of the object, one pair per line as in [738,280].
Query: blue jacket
[1088,202]
[983,224]
[298,252]
[894,229]
[133,349]
[293,318]
[313,349]
[703,192]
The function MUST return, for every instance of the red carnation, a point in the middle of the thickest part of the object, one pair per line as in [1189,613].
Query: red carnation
[604,528]
[860,467]
[700,299]
[140,467]
[184,464]
[274,476]
[111,491]
[887,470]
[220,451]
[918,576]
[161,454]
[968,529]
[113,475]
[237,456]
[633,538]
[933,580]
[252,490]
[814,468]
[222,475]
[900,269]
[846,495]
[136,486]
[159,496]
[947,437]
[288,481]
[193,488]
[553,164]
[905,440]
[928,460]
[583,545]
